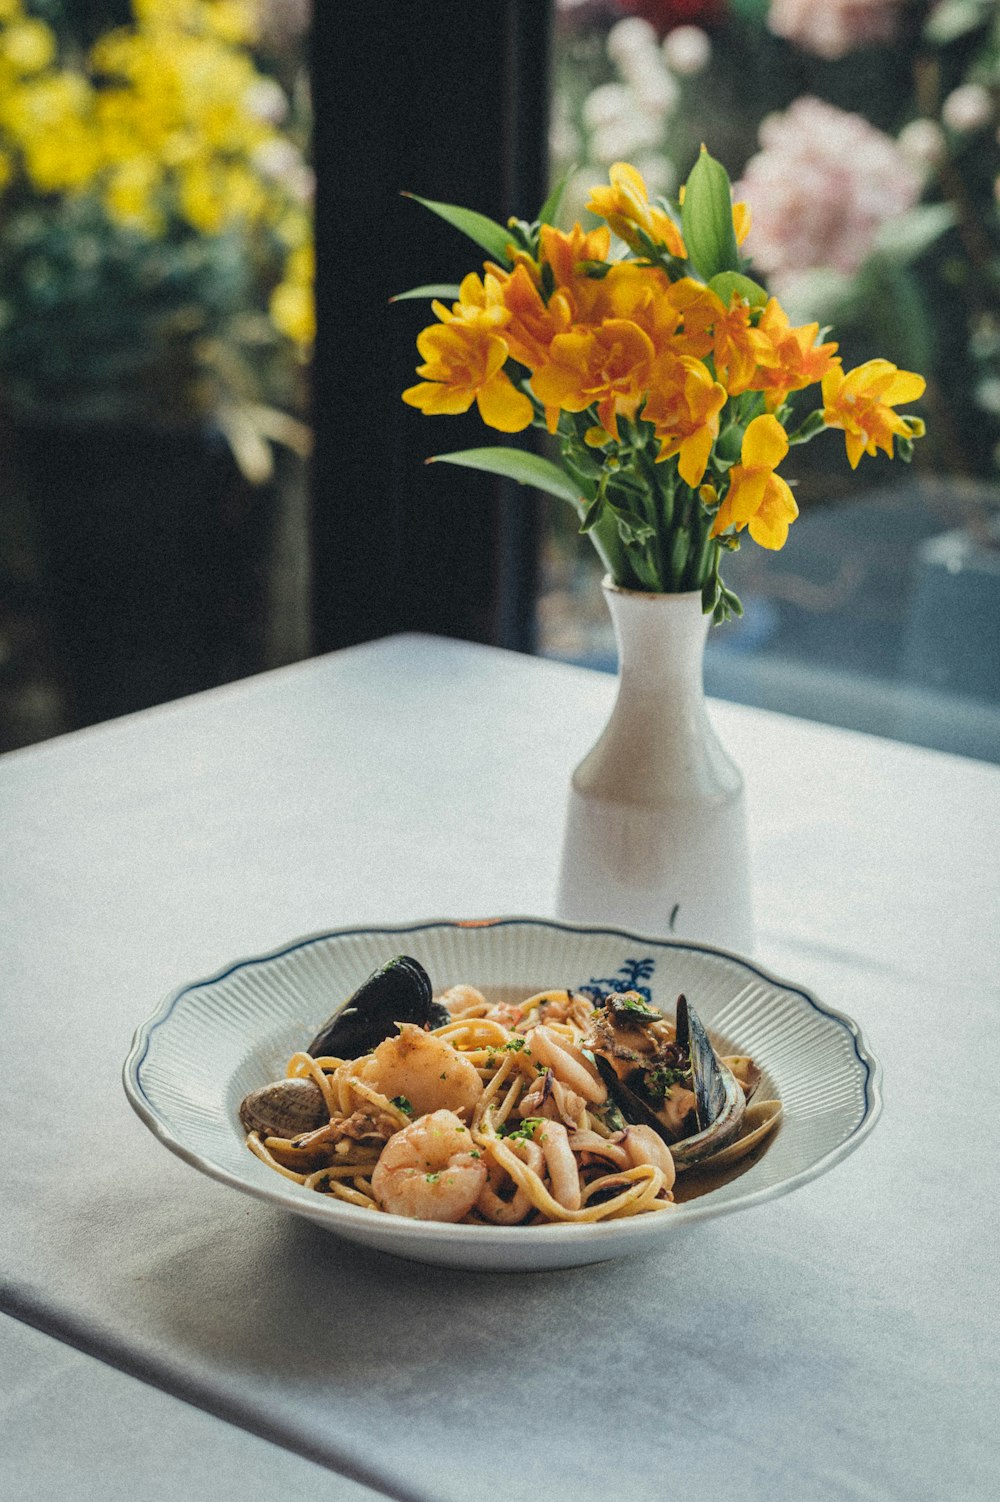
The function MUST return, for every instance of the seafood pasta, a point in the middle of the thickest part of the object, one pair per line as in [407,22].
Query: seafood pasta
[563,1107]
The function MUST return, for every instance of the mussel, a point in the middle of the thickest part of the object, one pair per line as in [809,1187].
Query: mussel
[680,1087]
[399,991]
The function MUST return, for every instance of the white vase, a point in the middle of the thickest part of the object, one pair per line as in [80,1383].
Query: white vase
[655,836]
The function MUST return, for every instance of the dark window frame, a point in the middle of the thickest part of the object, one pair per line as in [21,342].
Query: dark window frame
[448,100]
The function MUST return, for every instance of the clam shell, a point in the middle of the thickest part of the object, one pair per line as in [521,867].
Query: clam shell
[759,1120]
[285,1108]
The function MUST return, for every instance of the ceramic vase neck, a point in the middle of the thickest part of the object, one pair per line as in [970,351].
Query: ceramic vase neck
[661,648]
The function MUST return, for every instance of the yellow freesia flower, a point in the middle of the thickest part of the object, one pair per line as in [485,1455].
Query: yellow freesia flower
[480,303]
[640,294]
[799,360]
[564,251]
[683,406]
[625,206]
[742,221]
[463,363]
[607,366]
[862,401]
[565,255]
[758,498]
[738,349]
[533,323]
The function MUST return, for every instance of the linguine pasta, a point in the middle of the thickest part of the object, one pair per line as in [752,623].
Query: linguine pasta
[499,1116]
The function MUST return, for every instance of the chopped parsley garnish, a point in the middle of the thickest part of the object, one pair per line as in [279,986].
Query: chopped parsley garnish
[402,1104]
[515,1045]
[662,1079]
[629,1004]
[475,1153]
[525,1131]
[432,1178]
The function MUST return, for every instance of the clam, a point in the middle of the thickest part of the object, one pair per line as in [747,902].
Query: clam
[677,1085]
[286,1108]
[759,1120]
[399,991]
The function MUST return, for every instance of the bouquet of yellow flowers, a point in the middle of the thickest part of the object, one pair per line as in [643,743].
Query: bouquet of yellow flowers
[155,217]
[659,367]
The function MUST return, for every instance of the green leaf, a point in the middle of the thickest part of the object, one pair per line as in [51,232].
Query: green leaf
[550,208]
[435,289]
[707,218]
[728,282]
[956,18]
[592,515]
[493,237]
[905,237]
[517,464]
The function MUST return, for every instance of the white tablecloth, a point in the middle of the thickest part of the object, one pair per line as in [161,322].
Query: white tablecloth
[837,1343]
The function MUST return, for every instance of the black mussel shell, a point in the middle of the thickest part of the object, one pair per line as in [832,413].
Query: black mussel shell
[708,1083]
[636,1096]
[399,991]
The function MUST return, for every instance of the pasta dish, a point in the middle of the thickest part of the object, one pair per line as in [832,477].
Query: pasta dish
[559,1108]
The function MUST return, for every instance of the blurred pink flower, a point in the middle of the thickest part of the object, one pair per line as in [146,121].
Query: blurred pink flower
[832,28]
[821,188]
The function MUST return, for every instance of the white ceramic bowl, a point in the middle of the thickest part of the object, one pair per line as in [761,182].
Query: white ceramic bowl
[213,1041]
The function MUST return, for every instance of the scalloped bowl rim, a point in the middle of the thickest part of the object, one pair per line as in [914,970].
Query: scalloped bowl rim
[392,1233]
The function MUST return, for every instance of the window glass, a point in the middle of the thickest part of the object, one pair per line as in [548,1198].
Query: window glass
[865,140]
[156,322]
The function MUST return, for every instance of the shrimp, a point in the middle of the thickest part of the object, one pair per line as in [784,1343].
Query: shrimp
[431,1170]
[426,1070]
[464,1001]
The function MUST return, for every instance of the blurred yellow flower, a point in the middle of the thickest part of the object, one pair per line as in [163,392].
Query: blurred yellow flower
[293,311]
[29,46]
[130,195]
